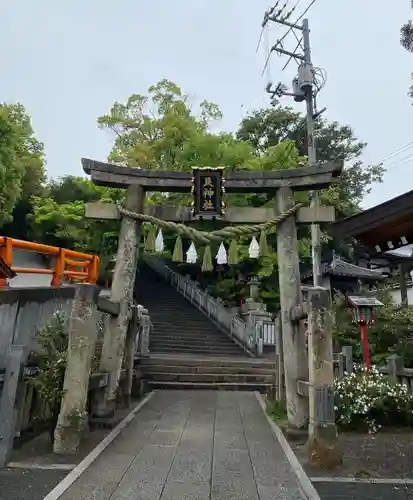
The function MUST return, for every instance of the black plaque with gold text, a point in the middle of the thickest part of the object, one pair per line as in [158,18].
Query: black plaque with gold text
[207,191]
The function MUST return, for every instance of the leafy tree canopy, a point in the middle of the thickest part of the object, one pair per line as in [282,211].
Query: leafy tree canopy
[22,171]
[267,128]
[58,216]
[164,131]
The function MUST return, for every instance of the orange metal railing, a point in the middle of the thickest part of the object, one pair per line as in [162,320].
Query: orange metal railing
[70,265]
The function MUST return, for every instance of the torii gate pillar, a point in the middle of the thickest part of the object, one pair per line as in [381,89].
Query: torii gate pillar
[121,293]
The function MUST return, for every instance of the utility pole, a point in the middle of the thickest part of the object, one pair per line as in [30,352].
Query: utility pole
[303,89]
[312,159]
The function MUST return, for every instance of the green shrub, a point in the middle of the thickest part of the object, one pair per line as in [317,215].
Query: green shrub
[277,410]
[50,358]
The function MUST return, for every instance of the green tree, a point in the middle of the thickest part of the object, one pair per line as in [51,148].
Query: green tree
[406,39]
[162,131]
[59,216]
[267,128]
[22,172]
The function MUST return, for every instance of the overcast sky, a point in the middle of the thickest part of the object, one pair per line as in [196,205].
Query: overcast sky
[68,61]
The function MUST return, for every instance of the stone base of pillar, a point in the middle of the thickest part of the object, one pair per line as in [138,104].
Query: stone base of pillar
[102,407]
[124,401]
[68,434]
[323,447]
[139,387]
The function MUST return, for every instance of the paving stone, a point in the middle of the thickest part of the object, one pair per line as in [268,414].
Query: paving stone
[233,476]
[192,445]
[146,477]
[181,491]
[101,478]
[192,467]
[165,437]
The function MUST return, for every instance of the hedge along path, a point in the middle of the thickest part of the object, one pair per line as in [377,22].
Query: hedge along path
[206,237]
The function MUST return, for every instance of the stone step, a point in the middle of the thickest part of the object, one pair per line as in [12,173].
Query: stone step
[165,314]
[169,367]
[213,386]
[170,301]
[182,339]
[208,377]
[194,349]
[208,346]
[177,328]
[199,361]
[197,343]
[196,319]
[165,318]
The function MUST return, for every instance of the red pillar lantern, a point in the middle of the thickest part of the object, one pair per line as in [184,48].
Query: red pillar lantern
[363,315]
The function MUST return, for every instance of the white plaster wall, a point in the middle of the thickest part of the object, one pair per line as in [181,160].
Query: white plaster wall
[396,296]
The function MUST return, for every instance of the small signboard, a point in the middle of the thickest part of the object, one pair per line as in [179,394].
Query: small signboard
[207,191]
[363,301]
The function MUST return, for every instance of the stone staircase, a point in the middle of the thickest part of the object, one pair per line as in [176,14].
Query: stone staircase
[187,350]
[184,372]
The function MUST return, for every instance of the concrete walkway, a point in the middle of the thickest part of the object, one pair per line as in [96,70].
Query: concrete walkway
[190,445]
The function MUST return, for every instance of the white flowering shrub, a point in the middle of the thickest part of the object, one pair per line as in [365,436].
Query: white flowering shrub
[369,400]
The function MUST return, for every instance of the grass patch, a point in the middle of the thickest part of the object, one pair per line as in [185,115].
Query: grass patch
[277,411]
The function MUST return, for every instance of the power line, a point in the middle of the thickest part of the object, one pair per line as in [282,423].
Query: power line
[264,23]
[276,18]
[404,160]
[295,23]
[397,152]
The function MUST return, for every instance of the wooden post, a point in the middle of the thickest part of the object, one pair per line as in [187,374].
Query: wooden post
[280,360]
[121,292]
[82,339]
[13,372]
[347,352]
[338,367]
[144,331]
[323,436]
[129,360]
[395,366]
[403,285]
[294,346]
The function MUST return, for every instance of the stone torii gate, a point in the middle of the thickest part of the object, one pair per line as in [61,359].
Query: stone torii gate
[316,377]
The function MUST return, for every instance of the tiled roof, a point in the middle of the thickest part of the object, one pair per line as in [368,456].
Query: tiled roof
[339,267]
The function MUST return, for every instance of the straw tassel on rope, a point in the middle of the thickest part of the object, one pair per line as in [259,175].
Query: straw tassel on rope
[207,260]
[233,257]
[150,239]
[178,254]
[263,244]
